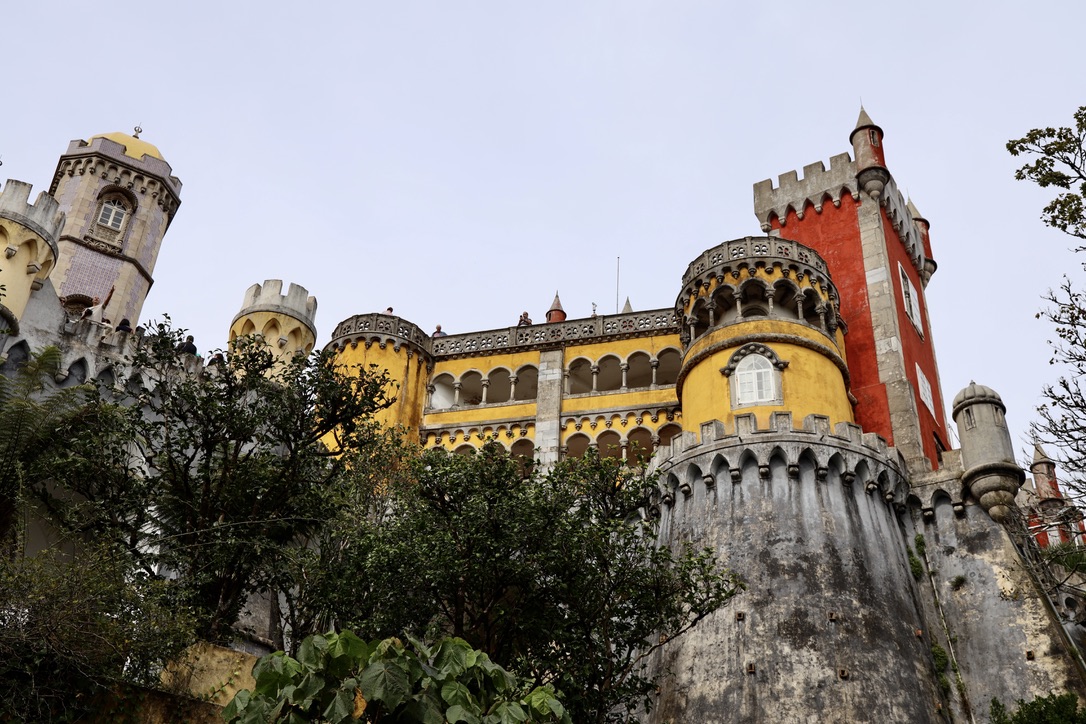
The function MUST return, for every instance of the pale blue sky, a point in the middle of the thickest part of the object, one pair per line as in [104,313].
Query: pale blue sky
[462,160]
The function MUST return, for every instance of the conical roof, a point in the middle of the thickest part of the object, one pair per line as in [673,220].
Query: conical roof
[1039,455]
[627,308]
[556,305]
[864,121]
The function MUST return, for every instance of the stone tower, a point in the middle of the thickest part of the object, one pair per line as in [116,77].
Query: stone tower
[287,322]
[119,196]
[772,473]
[878,249]
[991,475]
[28,240]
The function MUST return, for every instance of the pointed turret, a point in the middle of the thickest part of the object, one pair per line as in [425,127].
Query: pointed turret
[922,224]
[1044,475]
[627,308]
[866,141]
[556,313]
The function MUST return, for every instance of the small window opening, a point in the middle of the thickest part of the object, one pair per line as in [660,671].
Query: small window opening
[112,215]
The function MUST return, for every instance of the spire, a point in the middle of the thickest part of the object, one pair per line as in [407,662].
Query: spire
[864,121]
[556,305]
[1039,455]
[627,308]
[556,313]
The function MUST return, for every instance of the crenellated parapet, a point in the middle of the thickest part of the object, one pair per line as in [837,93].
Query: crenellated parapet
[898,211]
[287,322]
[43,217]
[146,176]
[28,243]
[717,457]
[268,297]
[816,188]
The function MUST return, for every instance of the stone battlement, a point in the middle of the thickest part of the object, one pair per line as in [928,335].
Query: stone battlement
[113,151]
[816,187]
[269,297]
[43,217]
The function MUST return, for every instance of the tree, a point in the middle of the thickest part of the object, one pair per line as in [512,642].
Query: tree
[1059,160]
[211,475]
[31,410]
[74,627]
[555,576]
[340,678]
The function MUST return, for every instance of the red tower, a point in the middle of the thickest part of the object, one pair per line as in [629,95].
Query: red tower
[878,252]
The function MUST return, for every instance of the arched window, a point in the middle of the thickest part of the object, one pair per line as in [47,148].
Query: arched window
[112,214]
[755,382]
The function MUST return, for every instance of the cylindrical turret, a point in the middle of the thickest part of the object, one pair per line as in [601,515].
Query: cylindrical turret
[871,170]
[761,334]
[119,195]
[392,344]
[286,321]
[28,241]
[556,313]
[1044,479]
[991,475]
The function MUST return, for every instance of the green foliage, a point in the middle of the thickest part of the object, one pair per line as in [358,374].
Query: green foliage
[958,582]
[1059,162]
[915,566]
[340,678]
[240,461]
[1051,709]
[555,576]
[31,410]
[921,547]
[939,655]
[72,627]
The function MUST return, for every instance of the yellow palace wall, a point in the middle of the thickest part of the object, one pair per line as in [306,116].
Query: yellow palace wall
[812,383]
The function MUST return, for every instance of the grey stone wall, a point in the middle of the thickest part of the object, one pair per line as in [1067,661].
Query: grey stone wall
[830,620]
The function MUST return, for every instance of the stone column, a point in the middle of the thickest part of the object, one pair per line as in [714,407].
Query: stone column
[456,393]
[552,375]
[625,366]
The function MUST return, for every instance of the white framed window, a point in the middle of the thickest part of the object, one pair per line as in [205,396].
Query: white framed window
[925,391]
[755,382]
[912,300]
[112,214]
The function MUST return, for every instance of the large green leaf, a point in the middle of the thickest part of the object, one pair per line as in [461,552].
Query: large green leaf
[456,713]
[385,682]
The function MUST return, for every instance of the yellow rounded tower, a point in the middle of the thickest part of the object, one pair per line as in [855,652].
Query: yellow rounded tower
[287,322]
[761,334]
[393,344]
[28,242]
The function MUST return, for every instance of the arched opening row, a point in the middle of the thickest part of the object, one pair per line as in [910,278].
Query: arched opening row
[472,388]
[635,447]
[610,373]
[755,299]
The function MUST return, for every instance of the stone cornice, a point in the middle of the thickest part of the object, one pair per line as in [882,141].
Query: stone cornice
[509,339]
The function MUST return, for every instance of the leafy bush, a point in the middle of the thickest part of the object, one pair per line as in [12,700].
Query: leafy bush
[339,678]
[1051,709]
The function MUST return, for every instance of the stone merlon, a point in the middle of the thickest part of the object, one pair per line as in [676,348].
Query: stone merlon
[43,217]
[269,297]
[816,186]
[110,149]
